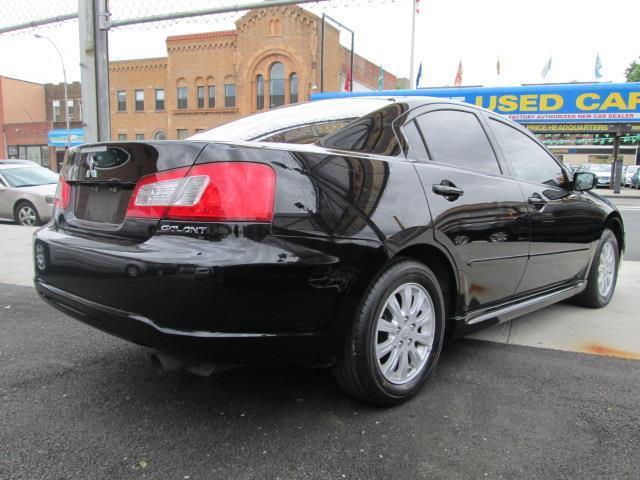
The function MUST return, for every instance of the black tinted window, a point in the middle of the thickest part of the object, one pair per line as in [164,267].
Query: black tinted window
[373,133]
[306,133]
[529,160]
[457,138]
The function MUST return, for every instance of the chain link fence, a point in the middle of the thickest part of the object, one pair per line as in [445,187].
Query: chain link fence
[22,17]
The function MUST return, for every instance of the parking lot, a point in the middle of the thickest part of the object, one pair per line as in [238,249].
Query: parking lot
[77,403]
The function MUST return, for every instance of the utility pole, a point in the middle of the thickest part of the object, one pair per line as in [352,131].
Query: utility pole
[412,79]
[94,68]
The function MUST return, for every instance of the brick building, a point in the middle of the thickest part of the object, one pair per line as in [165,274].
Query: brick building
[272,58]
[23,122]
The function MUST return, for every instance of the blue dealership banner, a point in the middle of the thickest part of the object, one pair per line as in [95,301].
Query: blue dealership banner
[58,137]
[562,103]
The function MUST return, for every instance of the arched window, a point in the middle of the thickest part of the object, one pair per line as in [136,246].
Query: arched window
[160,135]
[259,92]
[293,87]
[276,85]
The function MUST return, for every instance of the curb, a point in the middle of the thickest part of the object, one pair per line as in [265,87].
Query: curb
[626,197]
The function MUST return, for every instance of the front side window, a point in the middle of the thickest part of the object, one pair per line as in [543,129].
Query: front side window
[182,97]
[122,100]
[259,92]
[230,95]
[529,160]
[139,100]
[293,87]
[276,85]
[200,92]
[159,99]
[457,138]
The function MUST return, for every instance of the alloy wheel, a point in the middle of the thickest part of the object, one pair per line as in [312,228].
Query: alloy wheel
[27,216]
[405,333]
[606,268]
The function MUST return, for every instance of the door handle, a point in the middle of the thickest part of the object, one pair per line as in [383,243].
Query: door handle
[448,190]
[536,200]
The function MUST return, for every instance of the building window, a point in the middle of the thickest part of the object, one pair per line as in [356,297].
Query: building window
[139,100]
[139,136]
[160,135]
[182,133]
[293,88]
[56,110]
[276,85]
[182,97]
[122,100]
[122,136]
[199,130]
[200,92]
[212,96]
[259,92]
[159,99]
[229,95]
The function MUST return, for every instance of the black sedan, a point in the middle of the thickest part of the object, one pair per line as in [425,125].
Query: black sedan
[416,221]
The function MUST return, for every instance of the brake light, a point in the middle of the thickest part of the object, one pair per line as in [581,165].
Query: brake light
[224,191]
[63,194]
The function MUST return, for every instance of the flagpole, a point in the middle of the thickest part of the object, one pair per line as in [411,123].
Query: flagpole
[413,41]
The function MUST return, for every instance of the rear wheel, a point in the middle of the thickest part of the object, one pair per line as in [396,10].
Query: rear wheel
[26,214]
[396,337]
[603,274]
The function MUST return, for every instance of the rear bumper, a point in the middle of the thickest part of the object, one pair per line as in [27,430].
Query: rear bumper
[245,297]
[279,348]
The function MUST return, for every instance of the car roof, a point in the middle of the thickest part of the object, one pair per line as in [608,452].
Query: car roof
[9,164]
[290,116]
[282,118]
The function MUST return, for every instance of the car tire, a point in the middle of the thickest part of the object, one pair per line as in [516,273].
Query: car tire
[26,214]
[362,371]
[603,273]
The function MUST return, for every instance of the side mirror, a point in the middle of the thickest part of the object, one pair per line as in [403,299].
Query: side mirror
[583,181]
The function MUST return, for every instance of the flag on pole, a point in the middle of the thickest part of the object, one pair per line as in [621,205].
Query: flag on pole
[417,4]
[419,75]
[546,69]
[347,81]
[498,66]
[458,80]
[380,78]
[598,67]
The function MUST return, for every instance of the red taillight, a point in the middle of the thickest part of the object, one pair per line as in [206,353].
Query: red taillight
[63,194]
[212,192]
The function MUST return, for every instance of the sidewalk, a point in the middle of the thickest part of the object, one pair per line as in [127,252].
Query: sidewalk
[612,331]
[625,192]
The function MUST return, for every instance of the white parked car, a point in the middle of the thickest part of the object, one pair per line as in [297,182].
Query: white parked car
[27,191]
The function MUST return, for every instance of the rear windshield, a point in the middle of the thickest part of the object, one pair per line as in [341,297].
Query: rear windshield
[28,176]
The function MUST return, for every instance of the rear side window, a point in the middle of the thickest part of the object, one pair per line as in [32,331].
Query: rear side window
[529,160]
[457,138]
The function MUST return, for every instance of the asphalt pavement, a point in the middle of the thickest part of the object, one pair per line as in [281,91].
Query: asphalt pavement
[77,403]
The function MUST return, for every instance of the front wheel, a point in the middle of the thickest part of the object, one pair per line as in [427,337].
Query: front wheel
[396,337]
[603,274]
[26,214]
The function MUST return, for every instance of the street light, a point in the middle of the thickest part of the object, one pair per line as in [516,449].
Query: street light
[64,76]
